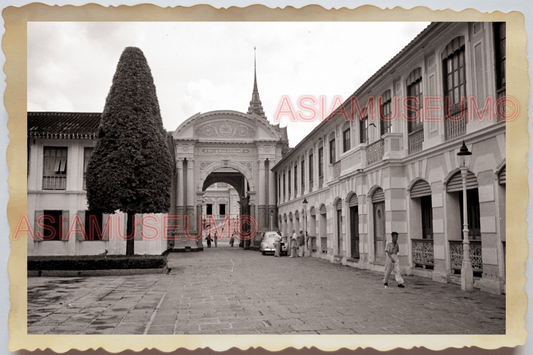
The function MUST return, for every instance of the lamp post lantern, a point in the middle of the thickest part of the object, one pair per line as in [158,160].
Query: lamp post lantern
[467,274]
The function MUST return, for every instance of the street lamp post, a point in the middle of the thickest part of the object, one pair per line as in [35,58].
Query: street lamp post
[304,204]
[467,274]
[271,220]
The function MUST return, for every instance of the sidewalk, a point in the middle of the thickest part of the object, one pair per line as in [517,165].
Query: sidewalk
[228,290]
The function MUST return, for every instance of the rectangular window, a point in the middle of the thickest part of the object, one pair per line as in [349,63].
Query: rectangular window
[332,158]
[284,186]
[415,100]
[311,170]
[289,183]
[474,221]
[55,168]
[454,78]
[363,130]
[500,57]
[93,225]
[385,113]
[415,124]
[52,222]
[302,169]
[209,209]
[87,152]
[346,140]
[427,217]
[222,209]
[320,162]
[295,179]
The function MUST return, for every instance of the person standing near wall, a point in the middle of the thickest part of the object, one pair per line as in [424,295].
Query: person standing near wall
[301,244]
[393,262]
[294,244]
[277,244]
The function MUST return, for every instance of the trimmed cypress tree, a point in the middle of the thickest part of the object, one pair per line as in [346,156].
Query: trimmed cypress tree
[130,168]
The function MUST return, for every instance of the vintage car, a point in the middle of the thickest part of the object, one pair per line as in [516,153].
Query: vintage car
[268,241]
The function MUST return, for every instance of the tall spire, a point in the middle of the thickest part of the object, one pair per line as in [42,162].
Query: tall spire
[255,103]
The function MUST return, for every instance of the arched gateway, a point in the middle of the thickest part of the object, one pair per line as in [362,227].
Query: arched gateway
[231,147]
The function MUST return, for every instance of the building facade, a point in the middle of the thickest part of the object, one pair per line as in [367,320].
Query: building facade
[386,160]
[59,147]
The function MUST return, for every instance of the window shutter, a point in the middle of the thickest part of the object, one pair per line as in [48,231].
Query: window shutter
[312,212]
[378,196]
[65,225]
[339,205]
[414,76]
[323,209]
[420,189]
[79,236]
[106,226]
[453,46]
[138,226]
[354,201]
[455,184]
[502,176]
[38,230]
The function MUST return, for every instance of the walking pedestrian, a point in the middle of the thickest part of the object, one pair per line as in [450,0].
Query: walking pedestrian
[393,263]
[216,239]
[294,243]
[208,239]
[301,244]
[232,239]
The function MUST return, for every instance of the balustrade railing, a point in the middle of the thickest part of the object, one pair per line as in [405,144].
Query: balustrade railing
[324,245]
[415,141]
[423,253]
[374,152]
[313,244]
[54,183]
[456,127]
[456,255]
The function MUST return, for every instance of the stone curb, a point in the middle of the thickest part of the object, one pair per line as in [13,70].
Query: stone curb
[109,272]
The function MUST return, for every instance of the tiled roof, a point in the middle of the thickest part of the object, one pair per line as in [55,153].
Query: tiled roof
[63,125]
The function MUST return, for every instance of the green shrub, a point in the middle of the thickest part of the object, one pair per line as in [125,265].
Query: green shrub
[96,262]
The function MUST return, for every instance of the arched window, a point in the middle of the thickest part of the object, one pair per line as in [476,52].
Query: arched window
[454,80]
[455,185]
[385,122]
[414,113]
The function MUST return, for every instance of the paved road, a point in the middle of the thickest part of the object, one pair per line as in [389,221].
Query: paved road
[228,290]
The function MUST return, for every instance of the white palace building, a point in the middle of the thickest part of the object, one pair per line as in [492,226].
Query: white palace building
[389,164]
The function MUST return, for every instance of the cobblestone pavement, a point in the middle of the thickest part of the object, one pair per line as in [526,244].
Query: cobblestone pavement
[228,290]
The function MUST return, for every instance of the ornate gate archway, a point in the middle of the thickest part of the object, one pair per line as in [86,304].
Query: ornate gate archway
[226,146]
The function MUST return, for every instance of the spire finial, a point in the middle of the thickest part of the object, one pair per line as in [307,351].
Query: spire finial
[255,103]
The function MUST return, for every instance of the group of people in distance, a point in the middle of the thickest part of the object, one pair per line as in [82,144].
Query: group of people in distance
[296,244]
[209,240]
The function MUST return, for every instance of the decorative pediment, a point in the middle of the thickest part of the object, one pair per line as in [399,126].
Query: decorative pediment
[227,126]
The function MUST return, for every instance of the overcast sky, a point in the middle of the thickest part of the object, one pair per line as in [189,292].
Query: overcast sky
[206,66]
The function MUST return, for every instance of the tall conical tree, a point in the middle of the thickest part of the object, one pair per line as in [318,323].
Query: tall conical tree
[130,168]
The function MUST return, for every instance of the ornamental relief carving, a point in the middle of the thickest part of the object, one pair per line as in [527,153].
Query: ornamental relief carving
[225,129]
[225,153]
[184,148]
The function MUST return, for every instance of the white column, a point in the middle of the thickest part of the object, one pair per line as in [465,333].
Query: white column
[180,188]
[191,183]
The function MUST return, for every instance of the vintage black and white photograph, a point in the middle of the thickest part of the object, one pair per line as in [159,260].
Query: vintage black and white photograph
[266,178]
